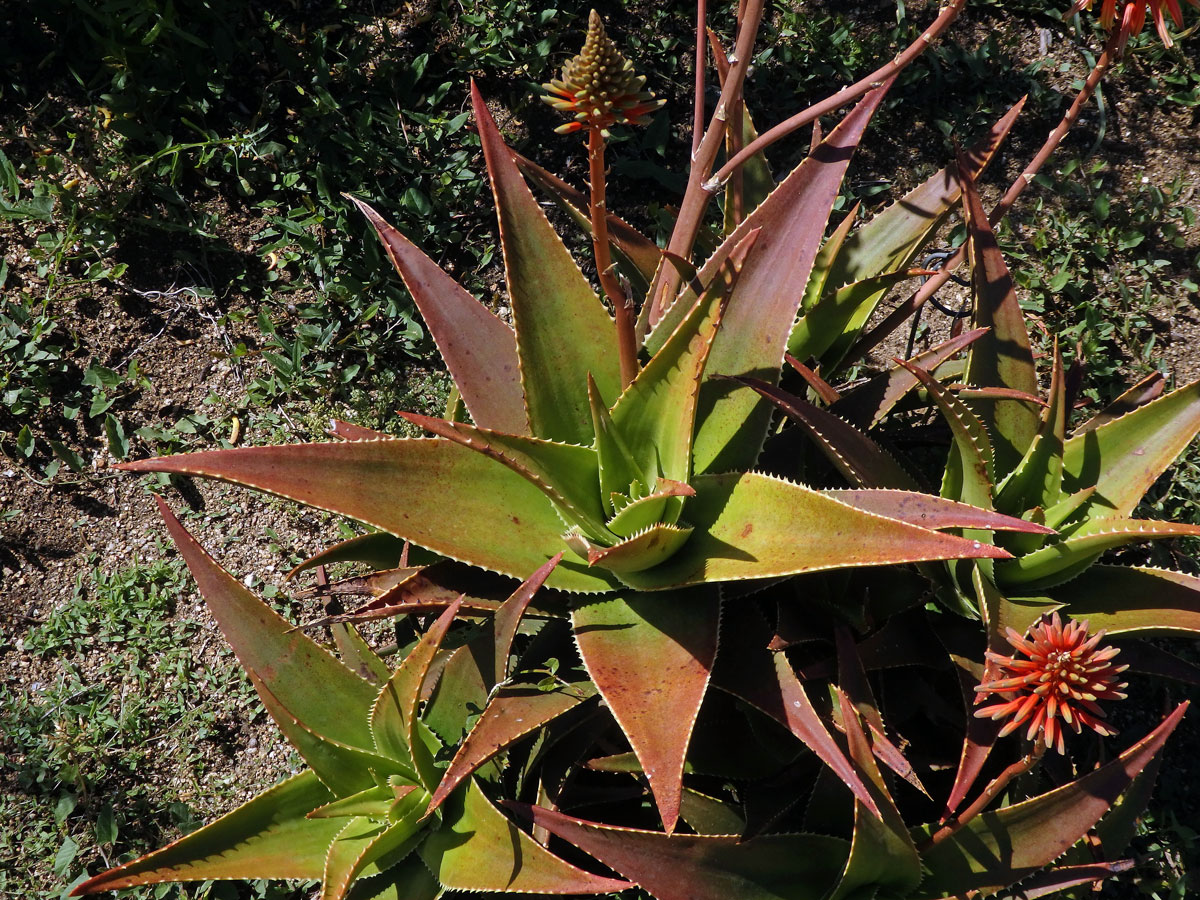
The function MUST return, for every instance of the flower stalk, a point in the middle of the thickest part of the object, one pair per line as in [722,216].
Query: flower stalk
[621,303]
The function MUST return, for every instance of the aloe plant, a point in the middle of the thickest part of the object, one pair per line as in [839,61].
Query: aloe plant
[616,451]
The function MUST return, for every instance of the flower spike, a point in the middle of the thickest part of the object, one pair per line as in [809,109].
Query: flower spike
[599,86]
[1066,673]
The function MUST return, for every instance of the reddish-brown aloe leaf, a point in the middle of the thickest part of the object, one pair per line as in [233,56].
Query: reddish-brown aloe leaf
[866,405]
[1062,877]
[932,512]
[862,461]
[347,431]
[1123,599]
[1148,389]
[501,521]
[268,837]
[316,688]
[508,616]
[705,867]
[1146,658]
[478,849]
[563,330]
[427,590]
[822,388]
[1002,358]
[641,253]
[478,346]
[767,682]
[1000,848]
[650,656]
[732,422]
[511,714]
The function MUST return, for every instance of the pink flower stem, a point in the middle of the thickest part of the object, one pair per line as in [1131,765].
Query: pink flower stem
[989,793]
[873,338]
[698,108]
[847,94]
[622,305]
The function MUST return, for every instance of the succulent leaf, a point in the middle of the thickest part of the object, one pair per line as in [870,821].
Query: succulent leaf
[1123,457]
[477,848]
[932,512]
[866,406]
[564,333]
[751,525]
[636,255]
[650,656]
[641,550]
[753,337]
[393,721]
[268,837]
[512,713]
[364,842]
[1125,599]
[479,348]
[1037,480]
[300,674]
[1078,548]
[1148,389]
[996,849]
[1002,358]
[861,461]
[502,523]
[704,867]
[767,682]
[656,414]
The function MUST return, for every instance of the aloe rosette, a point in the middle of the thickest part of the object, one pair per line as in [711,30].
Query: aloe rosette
[620,446]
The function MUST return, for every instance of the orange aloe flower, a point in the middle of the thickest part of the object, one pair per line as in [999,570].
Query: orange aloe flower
[1133,16]
[1058,685]
[599,86]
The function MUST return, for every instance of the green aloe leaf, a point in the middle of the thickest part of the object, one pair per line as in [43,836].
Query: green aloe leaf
[642,550]
[999,848]
[892,239]
[1002,358]
[479,347]
[636,255]
[1077,550]
[345,769]
[1037,480]
[823,324]
[751,525]
[268,837]
[823,264]
[733,420]
[1123,457]
[663,505]
[969,470]
[407,880]
[1060,878]
[501,521]
[512,713]
[563,330]
[1123,600]
[477,848]
[650,656]
[619,468]
[705,867]
[656,414]
[393,721]
[300,674]
[364,842]
[375,801]
[566,473]
[866,406]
